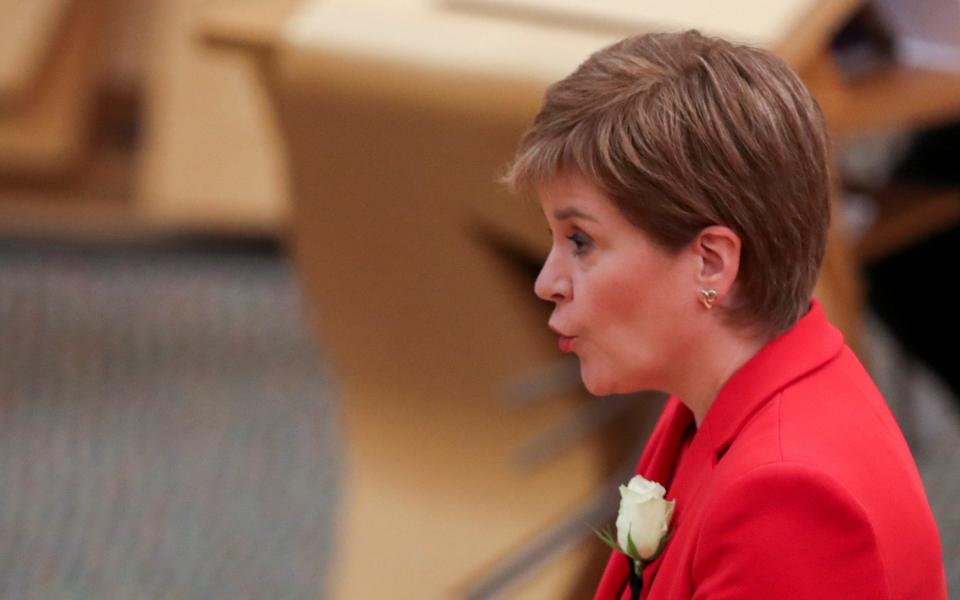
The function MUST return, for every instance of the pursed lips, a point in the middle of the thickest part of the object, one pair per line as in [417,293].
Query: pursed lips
[564,341]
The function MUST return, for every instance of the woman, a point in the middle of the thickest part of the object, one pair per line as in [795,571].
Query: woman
[685,181]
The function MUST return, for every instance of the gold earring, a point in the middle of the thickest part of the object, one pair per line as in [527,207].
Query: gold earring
[708,297]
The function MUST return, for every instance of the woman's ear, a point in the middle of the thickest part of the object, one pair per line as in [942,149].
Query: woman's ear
[718,248]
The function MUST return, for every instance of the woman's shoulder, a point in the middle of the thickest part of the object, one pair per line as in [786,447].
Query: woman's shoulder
[788,518]
[835,422]
[825,460]
[836,419]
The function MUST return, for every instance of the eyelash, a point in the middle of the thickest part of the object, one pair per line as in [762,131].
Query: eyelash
[581,243]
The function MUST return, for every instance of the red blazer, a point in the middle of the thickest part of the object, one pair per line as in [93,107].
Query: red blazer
[798,484]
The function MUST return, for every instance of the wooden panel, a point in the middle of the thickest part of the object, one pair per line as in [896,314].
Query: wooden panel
[28,33]
[895,97]
[366,48]
[755,21]
[795,29]
[250,24]
[899,97]
[48,135]
[426,320]
[212,157]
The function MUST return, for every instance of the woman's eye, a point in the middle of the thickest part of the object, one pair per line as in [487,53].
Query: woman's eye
[581,242]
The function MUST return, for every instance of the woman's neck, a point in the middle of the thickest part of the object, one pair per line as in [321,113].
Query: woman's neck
[714,362]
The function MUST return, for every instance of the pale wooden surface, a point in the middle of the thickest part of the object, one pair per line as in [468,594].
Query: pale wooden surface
[754,21]
[29,31]
[212,157]
[47,136]
[247,24]
[794,28]
[425,323]
[899,97]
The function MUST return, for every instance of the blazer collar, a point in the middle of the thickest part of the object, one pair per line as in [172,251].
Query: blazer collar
[809,344]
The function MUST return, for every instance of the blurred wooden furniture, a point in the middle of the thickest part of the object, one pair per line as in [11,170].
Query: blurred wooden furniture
[211,158]
[27,36]
[896,97]
[900,98]
[50,63]
[397,118]
[908,215]
[413,257]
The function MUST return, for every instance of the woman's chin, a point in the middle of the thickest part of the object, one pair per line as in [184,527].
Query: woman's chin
[597,384]
[605,383]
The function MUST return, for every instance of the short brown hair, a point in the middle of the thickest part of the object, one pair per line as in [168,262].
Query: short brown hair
[684,131]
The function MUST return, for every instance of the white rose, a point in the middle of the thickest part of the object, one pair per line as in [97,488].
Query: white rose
[645,514]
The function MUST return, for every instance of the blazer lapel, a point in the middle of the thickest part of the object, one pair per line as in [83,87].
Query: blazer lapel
[656,464]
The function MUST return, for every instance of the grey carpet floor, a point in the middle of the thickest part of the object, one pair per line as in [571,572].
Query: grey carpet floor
[166,429]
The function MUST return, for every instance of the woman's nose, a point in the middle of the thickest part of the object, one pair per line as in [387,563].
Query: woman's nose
[551,284]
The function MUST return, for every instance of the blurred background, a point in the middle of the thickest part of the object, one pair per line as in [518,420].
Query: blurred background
[267,315]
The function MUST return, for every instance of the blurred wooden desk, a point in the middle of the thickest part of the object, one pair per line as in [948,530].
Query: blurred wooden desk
[28,36]
[397,118]
[894,98]
[49,73]
[211,158]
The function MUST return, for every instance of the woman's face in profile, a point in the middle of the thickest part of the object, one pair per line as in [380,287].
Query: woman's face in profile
[621,301]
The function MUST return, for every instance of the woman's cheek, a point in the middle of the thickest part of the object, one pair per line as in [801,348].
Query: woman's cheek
[618,299]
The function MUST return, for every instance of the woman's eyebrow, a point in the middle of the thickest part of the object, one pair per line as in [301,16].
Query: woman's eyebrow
[562,214]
